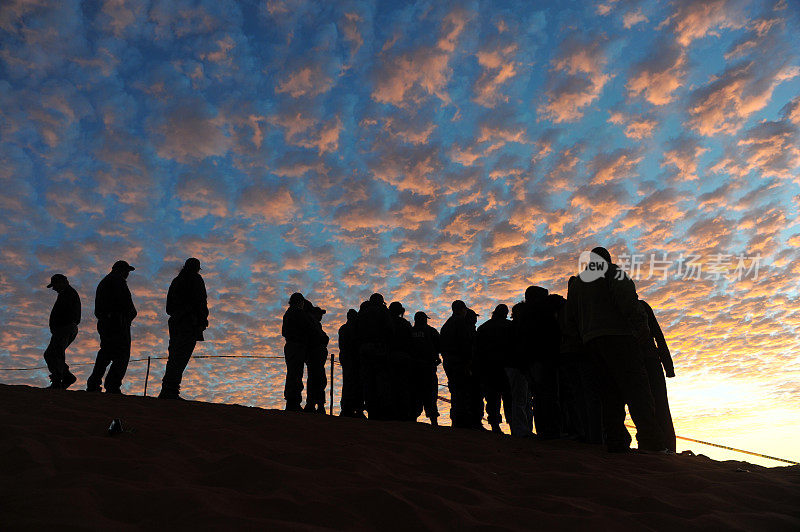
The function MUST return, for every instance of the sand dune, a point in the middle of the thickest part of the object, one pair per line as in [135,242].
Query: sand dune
[201,465]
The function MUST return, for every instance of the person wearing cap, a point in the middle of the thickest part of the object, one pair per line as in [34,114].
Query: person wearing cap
[352,403]
[297,329]
[187,307]
[115,311]
[457,337]
[425,349]
[604,309]
[492,348]
[316,356]
[64,319]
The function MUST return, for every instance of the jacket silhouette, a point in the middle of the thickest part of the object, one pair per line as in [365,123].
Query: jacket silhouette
[114,309]
[64,319]
[187,307]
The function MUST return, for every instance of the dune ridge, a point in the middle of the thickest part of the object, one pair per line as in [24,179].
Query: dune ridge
[186,464]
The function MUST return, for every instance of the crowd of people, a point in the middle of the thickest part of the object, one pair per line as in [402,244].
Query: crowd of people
[187,308]
[564,367]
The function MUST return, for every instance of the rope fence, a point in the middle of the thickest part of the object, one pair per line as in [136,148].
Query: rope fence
[336,362]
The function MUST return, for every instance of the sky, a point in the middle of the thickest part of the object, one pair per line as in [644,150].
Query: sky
[427,150]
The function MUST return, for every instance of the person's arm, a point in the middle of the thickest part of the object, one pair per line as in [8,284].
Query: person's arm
[663,350]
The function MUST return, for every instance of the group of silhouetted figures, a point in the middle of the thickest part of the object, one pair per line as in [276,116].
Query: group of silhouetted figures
[114,309]
[567,367]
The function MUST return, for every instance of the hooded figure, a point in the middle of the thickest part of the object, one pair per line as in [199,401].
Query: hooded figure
[187,307]
[605,311]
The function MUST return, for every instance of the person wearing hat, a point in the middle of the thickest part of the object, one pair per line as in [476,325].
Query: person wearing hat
[114,310]
[187,307]
[297,328]
[425,351]
[492,348]
[64,320]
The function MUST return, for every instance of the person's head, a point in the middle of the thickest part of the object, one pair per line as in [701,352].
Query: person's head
[500,312]
[363,306]
[472,316]
[58,282]
[123,268]
[318,312]
[352,314]
[420,319]
[516,311]
[533,293]
[459,307]
[192,265]
[376,299]
[602,253]
[297,300]
[396,308]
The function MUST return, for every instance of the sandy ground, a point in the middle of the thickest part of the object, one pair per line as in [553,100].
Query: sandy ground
[211,466]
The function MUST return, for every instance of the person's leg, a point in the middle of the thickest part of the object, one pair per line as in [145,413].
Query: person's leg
[545,400]
[119,360]
[55,355]
[491,395]
[520,403]
[658,386]
[103,357]
[347,402]
[294,355]
[612,402]
[182,341]
[590,384]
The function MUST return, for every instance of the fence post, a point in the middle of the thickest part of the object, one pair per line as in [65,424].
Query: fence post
[333,358]
[146,377]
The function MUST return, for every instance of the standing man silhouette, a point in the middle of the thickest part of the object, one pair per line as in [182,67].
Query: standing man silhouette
[187,306]
[64,320]
[114,309]
[298,330]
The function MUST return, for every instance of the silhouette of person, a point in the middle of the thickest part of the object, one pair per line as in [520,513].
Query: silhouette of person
[492,348]
[425,349]
[542,344]
[316,380]
[114,310]
[375,331]
[605,312]
[352,404]
[64,319]
[187,307]
[457,337]
[658,362]
[580,372]
[400,377]
[298,330]
[517,367]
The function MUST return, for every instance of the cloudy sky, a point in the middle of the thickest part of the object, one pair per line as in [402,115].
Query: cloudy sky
[427,150]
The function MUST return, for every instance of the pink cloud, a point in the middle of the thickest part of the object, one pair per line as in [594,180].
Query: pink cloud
[307,81]
[659,76]
[424,71]
[580,86]
[694,19]
[727,102]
